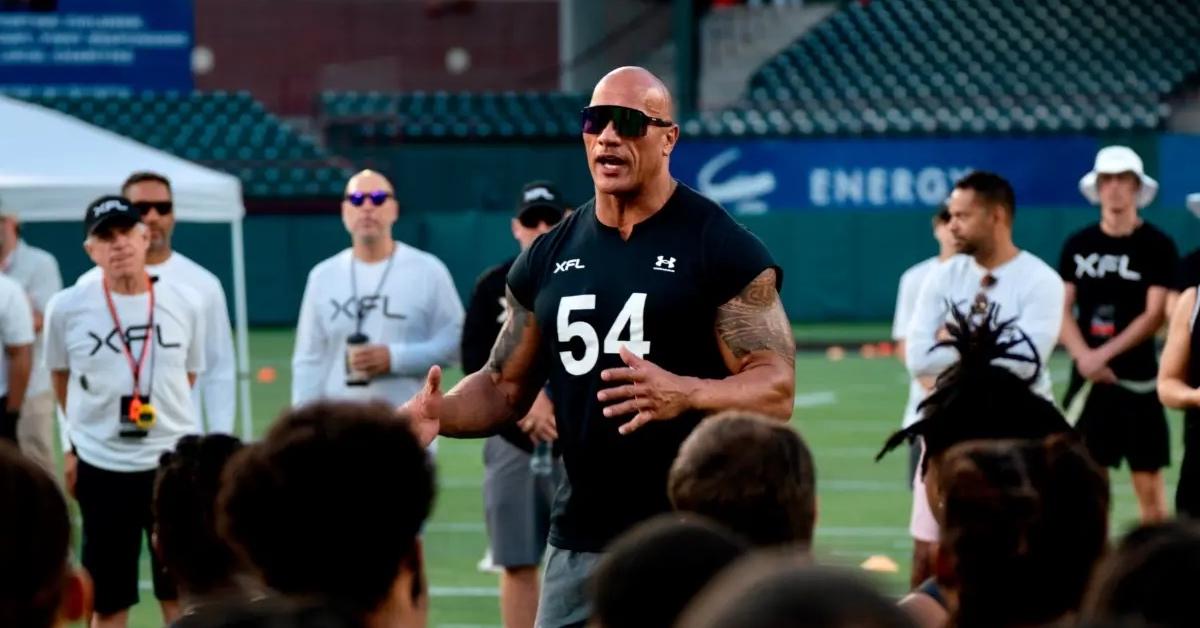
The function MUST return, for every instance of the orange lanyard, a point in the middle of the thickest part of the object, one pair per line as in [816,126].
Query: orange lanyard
[135,367]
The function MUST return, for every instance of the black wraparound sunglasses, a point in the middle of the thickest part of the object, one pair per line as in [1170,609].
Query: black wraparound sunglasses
[162,207]
[626,122]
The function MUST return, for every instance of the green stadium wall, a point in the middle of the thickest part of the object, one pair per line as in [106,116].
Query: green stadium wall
[838,265]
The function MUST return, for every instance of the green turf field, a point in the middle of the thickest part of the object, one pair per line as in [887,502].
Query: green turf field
[845,410]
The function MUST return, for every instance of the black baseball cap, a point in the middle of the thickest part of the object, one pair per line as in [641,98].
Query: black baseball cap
[540,202]
[109,211]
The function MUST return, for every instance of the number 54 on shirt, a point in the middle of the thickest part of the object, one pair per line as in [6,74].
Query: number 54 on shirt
[632,315]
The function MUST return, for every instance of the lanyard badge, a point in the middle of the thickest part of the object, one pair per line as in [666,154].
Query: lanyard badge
[135,409]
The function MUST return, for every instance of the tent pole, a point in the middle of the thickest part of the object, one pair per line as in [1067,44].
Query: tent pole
[243,332]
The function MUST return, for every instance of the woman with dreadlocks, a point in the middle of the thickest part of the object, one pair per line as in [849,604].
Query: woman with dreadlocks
[980,397]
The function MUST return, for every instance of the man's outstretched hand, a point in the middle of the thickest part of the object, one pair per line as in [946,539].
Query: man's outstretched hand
[424,410]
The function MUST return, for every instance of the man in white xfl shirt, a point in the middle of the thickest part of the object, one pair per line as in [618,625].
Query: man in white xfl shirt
[123,353]
[377,315]
[993,272]
[37,273]
[214,395]
[906,301]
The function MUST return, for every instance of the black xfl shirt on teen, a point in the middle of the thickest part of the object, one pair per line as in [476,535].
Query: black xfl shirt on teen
[1111,277]
[658,294]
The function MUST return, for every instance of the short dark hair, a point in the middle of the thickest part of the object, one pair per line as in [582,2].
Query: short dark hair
[35,534]
[330,503]
[1025,524]
[942,215]
[750,473]
[185,512]
[769,591]
[991,188]
[650,574]
[977,398]
[1150,578]
[144,175]
[269,612]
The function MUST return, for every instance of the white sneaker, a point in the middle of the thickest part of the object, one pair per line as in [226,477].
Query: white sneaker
[486,565]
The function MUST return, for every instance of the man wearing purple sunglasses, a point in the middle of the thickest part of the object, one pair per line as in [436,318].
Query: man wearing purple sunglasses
[644,311]
[377,315]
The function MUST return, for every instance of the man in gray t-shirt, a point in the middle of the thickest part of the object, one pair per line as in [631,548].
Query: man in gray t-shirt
[37,273]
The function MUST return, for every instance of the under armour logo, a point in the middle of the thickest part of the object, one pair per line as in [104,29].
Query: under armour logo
[503,316]
[568,265]
[665,264]
[1097,266]
[534,194]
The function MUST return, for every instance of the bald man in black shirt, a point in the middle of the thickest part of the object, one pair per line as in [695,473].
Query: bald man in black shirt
[646,310]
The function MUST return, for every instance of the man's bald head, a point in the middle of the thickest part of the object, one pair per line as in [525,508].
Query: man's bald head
[367,181]
[369,222]
[636,88]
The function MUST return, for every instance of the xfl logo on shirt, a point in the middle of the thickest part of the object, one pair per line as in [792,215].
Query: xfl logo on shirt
[133,333]
[365,305]
[1098,266]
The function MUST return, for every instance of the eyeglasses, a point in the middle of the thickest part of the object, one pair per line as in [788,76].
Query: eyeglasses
[378,197]
[981,300]
[626,122]
[164,208]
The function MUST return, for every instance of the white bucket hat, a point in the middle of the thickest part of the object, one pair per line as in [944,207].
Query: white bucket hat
[1115,160]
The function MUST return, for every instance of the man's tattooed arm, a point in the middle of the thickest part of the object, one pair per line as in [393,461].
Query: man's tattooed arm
[504,389]
[756,342]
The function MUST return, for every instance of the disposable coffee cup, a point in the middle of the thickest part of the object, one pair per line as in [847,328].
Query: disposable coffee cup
[355,343]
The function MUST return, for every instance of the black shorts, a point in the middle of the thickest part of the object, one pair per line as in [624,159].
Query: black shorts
[116,512]
[1120,424]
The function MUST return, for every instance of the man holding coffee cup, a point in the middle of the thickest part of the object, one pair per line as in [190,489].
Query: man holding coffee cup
[377,315]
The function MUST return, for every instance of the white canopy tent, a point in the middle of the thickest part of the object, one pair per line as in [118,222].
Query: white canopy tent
[52,165]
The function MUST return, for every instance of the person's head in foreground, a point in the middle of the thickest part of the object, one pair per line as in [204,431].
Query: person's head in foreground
[774,591]
[650,574]
[978,398]
[629,132]
[750,473]
[269,612]
[328,507]
[38,586]
[1150,578]
[1024,524]
[200,562]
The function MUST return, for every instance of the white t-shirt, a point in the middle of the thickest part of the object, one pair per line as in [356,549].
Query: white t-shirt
[16,323]
[906,302]
[1026,289]
[416,312]
[80,337]
[37,273]
[214,395]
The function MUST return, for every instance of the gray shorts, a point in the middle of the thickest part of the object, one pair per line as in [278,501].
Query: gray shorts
[564,601]
[516,504]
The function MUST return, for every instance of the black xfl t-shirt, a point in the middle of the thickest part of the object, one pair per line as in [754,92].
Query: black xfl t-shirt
[1111,277]
[658,294]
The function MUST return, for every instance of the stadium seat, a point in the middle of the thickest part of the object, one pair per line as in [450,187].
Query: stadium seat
[230,131]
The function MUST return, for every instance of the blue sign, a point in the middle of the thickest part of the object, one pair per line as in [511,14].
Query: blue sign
[126,45]
[759,176]
[1178,175]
